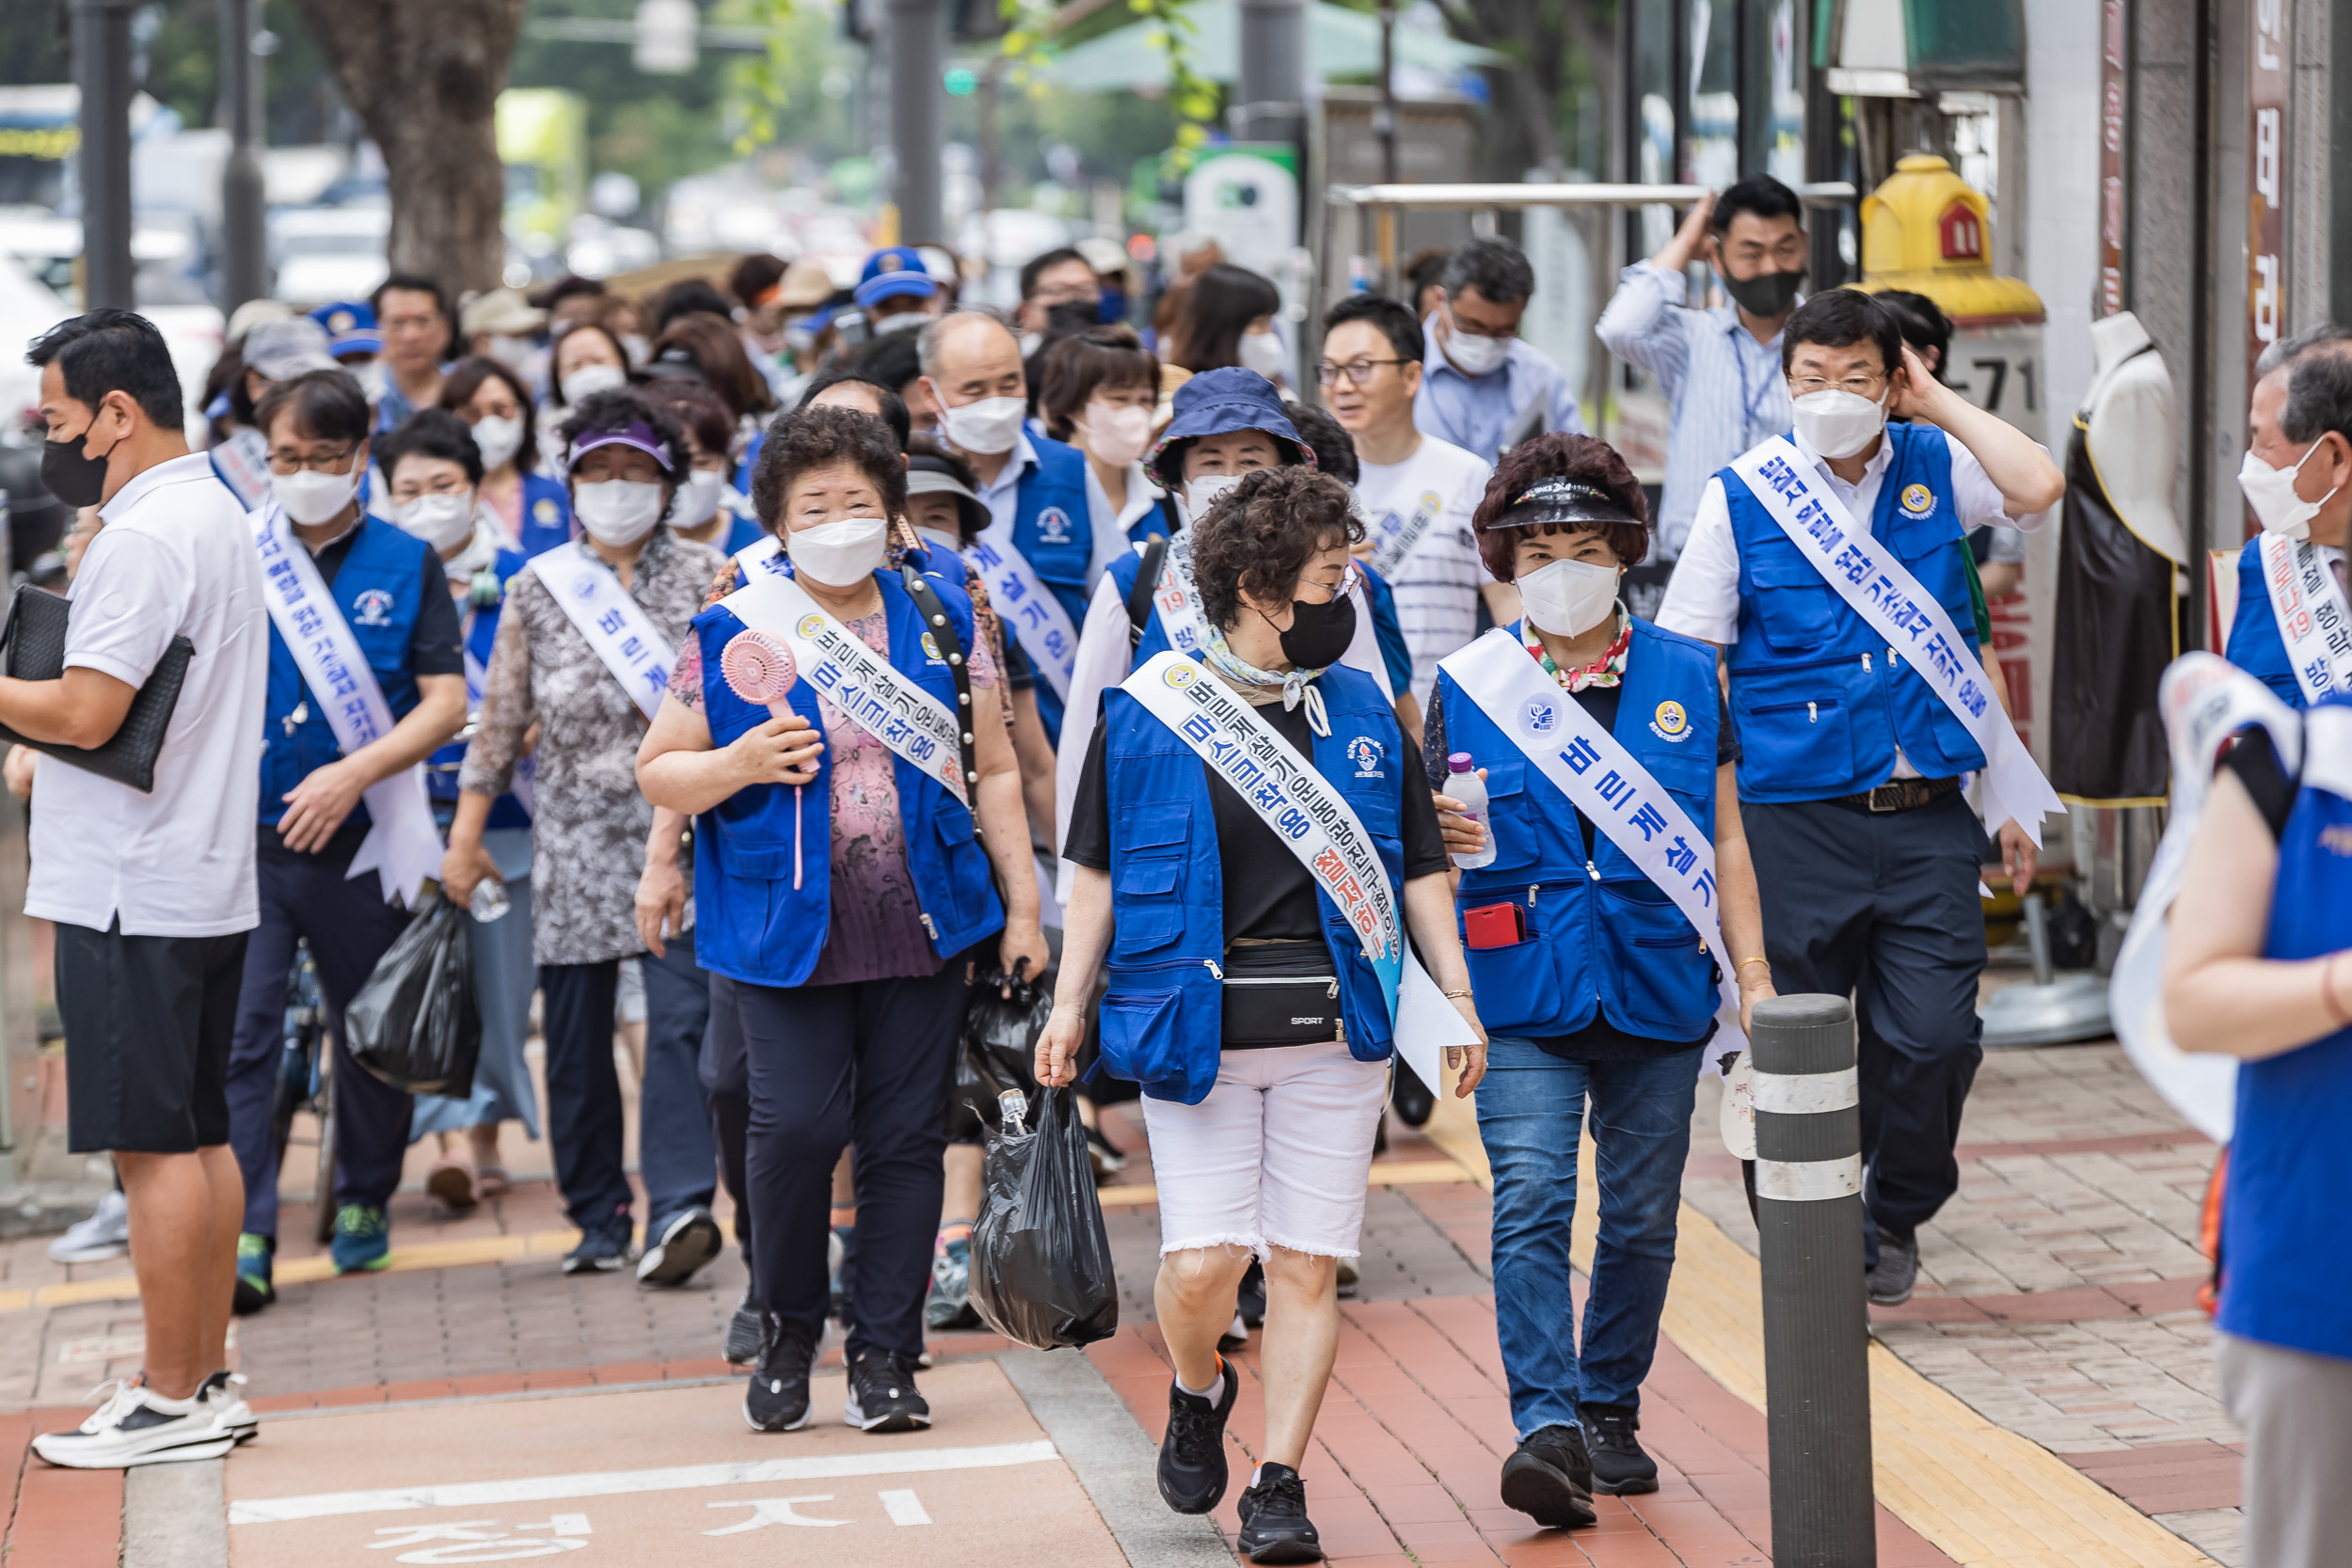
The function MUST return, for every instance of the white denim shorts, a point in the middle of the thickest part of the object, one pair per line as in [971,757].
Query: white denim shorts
[1277,1155]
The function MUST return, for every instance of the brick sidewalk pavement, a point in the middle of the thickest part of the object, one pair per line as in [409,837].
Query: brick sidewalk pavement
[2055,1302]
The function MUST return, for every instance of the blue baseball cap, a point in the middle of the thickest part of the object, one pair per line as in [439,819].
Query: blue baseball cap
[892,271]
[1217,403]
[350,327]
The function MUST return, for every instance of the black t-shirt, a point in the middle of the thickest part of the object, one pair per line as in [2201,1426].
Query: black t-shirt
[1599,1041]
[1268,894]
[435,647]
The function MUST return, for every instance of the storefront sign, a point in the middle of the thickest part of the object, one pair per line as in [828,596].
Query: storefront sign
[2114,19]
[2265,202]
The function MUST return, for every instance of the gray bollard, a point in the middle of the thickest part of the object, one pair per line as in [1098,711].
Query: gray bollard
[1809,1188]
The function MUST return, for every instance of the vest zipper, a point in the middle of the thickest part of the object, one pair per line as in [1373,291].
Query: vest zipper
[1590,870]
[1531,893]
[1211,965]
[930,930]
[1812,713]
[1866,662]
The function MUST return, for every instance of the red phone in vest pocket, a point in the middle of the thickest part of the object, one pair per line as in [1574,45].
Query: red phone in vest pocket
[1494,925]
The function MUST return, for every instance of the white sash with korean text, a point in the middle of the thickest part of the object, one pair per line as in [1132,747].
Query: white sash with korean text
[2205,699]
[1027,606]
[1585,763]
[1883,591]
[1398,534]
[2313,621]
[1316,824]
[915,725]
[403,847]
[1178,599]
[615,625]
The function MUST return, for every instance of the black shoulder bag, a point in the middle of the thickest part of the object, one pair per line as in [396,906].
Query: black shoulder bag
[33,644]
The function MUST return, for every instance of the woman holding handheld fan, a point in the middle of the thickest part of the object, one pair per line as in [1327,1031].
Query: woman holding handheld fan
[837,728]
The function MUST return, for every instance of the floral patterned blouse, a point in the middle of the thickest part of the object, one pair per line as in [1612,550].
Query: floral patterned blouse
[588,821]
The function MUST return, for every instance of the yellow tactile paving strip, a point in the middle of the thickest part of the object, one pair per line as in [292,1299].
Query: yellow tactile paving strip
[1979,1493]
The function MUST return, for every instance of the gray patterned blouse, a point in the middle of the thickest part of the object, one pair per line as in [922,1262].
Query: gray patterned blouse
[588,822]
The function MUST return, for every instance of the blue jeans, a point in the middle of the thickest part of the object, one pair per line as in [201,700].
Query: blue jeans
[1530,1110]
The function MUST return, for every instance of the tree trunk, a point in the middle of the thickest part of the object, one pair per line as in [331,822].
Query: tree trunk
[424,77]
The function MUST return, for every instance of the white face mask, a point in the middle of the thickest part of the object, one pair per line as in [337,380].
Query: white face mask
[2271,492]
[1470,353]
[1202,494]
[1262,352]
[499,439]
[939,538]
[444,522]
[311,497]
[1115,433]
[838,554]
[371,379]
[637,346]
[1568,599]
[618,512]
[987,427]
[1838,423]
[591,379]
[698,498]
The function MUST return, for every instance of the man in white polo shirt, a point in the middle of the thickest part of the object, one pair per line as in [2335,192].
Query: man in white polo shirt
[152,893]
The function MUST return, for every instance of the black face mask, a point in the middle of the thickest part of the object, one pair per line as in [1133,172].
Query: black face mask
[71,475]
[1767,294]
[1319,633]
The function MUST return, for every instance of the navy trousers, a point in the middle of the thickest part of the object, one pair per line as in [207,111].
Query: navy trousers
[867,1064]
[1885,907]
[673,1141]
[348,925]
[727,1078]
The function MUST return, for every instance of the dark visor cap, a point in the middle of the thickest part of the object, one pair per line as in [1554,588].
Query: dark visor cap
[1567,502]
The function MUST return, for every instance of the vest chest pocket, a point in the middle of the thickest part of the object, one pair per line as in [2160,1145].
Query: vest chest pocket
[1148,877]
[1511,815]
[1787,744]
[1795,608]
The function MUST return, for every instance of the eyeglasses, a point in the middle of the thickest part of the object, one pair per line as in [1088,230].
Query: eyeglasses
[1358,371]
[318,462]
[1870,387]
[1346,585]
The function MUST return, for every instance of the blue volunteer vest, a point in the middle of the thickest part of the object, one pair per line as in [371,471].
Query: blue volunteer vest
[750,922]
[1122,572]
[1818,703]
[1053,527]
[547,516]
[379,588]
[442,768]
[2255,645]
[2290,1162]
[1162,1017]
[1600,933]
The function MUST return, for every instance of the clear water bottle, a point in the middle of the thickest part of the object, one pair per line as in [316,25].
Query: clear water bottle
[1464,785]
[489,901]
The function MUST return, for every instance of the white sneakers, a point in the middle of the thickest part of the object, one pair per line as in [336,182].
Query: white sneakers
[134,1425]
[106,1233]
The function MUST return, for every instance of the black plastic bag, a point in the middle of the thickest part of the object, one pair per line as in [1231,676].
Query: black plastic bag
[999,1050]
[1040,1260]
[416,1023]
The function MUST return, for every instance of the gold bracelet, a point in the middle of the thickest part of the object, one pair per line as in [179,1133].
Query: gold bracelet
[1744,963]
[1458,995]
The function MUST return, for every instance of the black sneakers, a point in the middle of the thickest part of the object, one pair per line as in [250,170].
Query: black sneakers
[777,1399]
[1192,1454]
[1274,1523]
[1549,1479]
[1890,1283]
[1619,1465]
[688,1240]
[881,1393]
[1249,1295]
[741,1344]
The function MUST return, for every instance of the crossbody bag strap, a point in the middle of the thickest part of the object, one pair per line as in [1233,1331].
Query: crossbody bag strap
[1139,595]
[943,632]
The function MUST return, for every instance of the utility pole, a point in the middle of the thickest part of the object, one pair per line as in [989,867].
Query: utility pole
[101,69]
[917,53]
[1270,100]
[243,266]
[1384,119]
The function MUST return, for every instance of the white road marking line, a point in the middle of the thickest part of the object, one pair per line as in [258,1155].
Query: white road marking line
[904,1508]
[775,1511]
[606,1483]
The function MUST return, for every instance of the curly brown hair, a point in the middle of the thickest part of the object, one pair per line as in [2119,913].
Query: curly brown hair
[809,438]
[1560,455]
[1261,534]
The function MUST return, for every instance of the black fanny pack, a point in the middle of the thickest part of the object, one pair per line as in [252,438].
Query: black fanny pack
[1280,994]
